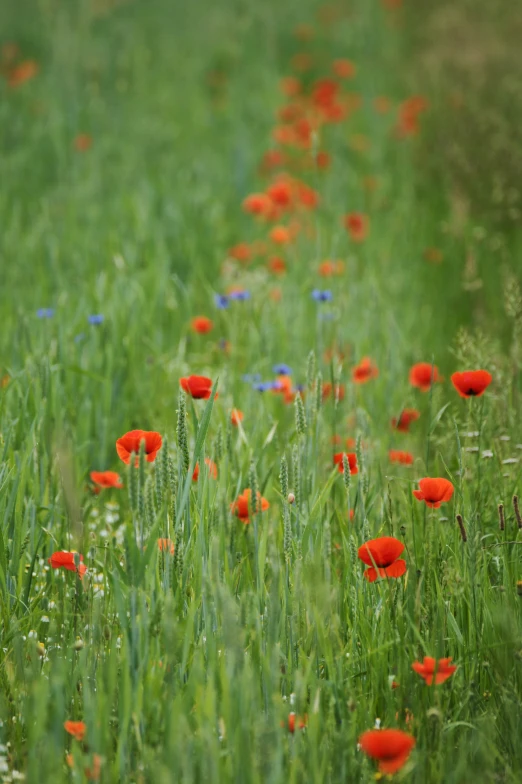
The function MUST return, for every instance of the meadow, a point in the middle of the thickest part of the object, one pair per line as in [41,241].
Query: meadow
[260,392]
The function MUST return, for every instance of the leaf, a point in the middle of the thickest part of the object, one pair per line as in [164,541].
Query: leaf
[454,626]
[436,419]
[324,491]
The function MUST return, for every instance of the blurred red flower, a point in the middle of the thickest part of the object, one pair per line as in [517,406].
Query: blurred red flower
[62,559]
[364,371]
[212,469]
[430,668]
[423,374]
[405,418]
[241,506]
[202,325]
[75,728]
[103,479]
[166,545]
[391,748]
[397,456]
[130,442]
[357,225]
[352,462]
[344,69]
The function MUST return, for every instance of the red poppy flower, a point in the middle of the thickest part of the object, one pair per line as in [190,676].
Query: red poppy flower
[357,224]
[324,91]
[277,265]
[364,371]
[409,112]
[131,441]
[344,69]
[202,325]
[280,192]
[301,721]
[93,773]
[471,383]
[272,159]
[328,268]
[441,670]
[391,748]
[82,142]
[75,728]
[258,204]
[397,456]
[352,462]
[212,469]
[434,491]
[236,416]
[106,479]
[240,252]
[339,391]
[406,417]
[165,545]
[198,387]
[290,86]
[21,73]
[323,159]
[384,552]
[241,506]
[62,559]
[280,235]
[423,374]
[307,197]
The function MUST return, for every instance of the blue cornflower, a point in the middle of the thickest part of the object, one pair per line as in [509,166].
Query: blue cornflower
[240,296]
[45,313]
[221,301]
[96,318]
[251,378]
[265,386]
[322,296]
[282,370]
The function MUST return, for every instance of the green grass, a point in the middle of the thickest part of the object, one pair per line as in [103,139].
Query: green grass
[185,667]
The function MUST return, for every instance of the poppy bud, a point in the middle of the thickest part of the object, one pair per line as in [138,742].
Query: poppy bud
[519,587]
[78,645]
[291,498]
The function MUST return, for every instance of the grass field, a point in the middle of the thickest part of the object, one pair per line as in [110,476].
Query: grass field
[300,203]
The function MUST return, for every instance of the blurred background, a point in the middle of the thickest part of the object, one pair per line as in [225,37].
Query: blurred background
[137,127]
